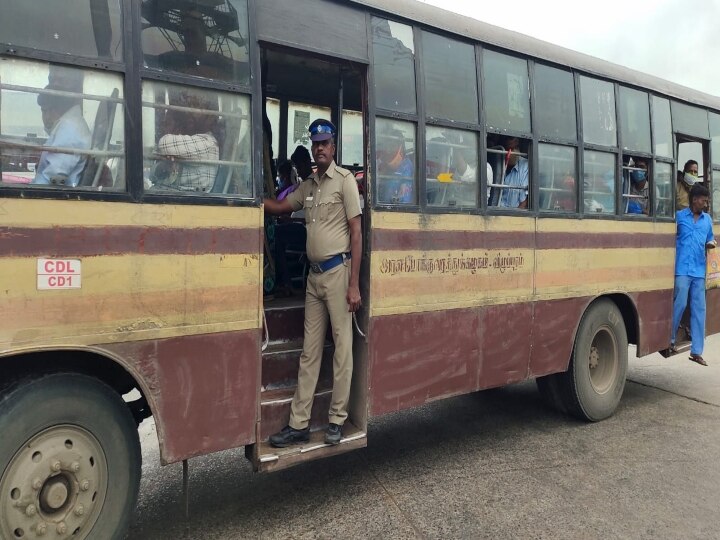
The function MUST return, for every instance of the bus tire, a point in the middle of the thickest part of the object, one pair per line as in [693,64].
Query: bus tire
[70,459]
[594,382]
[550,388]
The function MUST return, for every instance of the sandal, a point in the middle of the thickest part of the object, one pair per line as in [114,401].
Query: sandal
[698,359]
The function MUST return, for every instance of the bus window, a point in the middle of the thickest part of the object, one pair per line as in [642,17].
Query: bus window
[395,155]
[450,79]
[690,120]
[555,103]
[690,150]
[300,115]
[664,200]
[507,97]
[204,39]
[635,116]
[636,186]
[508,172]
[91,29]
[353,142]
[61,127]
[662,127]
[394,66]
[557,176]
[195,141]
[715,136]
[451,167]
[599,183]
[272,109]
[598,112]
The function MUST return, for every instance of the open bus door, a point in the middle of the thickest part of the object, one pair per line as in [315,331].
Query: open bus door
[299,87]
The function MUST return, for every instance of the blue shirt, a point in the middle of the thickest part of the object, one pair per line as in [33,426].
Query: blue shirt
[690,243]
[518,176]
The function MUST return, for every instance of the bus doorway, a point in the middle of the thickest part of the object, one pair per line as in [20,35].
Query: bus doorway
[297,89]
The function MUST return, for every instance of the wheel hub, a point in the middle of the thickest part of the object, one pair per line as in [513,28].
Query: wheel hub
[594,357]
[54,487]
[603,360]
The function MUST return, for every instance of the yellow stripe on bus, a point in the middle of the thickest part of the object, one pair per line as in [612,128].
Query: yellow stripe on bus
[451,222]
[595,226]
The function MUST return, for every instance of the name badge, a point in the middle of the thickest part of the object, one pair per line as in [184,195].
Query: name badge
[308,198]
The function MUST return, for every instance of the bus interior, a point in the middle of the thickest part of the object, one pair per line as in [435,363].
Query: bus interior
[297,89]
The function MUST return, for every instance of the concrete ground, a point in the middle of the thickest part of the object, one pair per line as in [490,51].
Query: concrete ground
[495,464]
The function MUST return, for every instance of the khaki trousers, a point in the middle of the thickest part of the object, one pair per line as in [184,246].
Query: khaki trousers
[326,296]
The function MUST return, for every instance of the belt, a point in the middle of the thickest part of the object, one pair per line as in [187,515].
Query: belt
[330,263]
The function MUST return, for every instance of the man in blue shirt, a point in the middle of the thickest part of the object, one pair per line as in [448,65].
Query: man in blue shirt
[694,236]
[517,174]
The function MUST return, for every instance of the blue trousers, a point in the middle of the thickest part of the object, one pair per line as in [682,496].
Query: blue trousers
[693,287]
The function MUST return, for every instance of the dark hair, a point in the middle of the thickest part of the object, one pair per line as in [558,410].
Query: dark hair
[698,190]
[688,163]
[301,155]
[285,168]
[56,102]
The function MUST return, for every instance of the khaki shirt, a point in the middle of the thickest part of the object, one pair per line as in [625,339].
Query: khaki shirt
[329,202]
[681,196]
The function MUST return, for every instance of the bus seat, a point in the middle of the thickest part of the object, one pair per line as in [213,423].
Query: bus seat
[96,172]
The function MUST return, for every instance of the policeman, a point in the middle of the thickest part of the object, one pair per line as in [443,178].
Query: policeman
[331,203]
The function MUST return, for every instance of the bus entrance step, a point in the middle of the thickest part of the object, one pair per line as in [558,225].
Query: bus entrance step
[280,364]
[285,319]
[275,409]
[274,459]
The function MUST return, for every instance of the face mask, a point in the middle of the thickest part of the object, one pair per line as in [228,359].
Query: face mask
[690,179]
[638,176]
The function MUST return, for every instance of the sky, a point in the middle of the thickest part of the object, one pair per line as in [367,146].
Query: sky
[677,40]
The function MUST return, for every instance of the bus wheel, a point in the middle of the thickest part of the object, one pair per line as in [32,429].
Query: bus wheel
[69,458]
[594,382]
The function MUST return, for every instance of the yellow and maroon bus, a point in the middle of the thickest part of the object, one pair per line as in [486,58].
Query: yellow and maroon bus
[503,237]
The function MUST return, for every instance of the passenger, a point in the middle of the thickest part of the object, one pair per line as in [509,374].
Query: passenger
[517,172]
[66,128]
[694,236]
[685,180]
[302,161]
[639,188]
[287,180]
[190,135]
[334,248]
[288,233]
[395,171]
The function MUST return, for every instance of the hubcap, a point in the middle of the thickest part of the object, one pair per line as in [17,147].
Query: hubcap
[603,360]
[54,487]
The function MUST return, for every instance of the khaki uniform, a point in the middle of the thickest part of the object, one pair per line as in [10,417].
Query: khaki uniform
[329,202]
[682,196]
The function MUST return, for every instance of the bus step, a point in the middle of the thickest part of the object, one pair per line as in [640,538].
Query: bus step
[680,349]
[275,409]
[285,319]
[275,459]
[281,361]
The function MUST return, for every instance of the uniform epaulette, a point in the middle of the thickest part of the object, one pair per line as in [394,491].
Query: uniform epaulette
[344,172]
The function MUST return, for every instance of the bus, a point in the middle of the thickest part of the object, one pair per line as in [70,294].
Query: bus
[504,238]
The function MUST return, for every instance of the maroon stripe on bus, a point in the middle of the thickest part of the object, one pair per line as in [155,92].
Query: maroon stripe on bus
[399,240]
[90,241]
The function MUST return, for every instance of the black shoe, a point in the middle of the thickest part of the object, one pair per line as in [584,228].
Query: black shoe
[333,434]
[287,436]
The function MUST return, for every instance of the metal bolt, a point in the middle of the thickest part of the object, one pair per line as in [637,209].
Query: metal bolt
[56,466]
[61,528]
[79,510]
[85,485]
[36,484]
[75,467]
[30,510]
[40,529]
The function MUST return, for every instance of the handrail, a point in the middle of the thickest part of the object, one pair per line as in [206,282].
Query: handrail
[62,149]
[266,341]
[64,93]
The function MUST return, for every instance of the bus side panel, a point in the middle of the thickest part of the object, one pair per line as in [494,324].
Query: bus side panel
[712,318]
[654,310]
[203,389]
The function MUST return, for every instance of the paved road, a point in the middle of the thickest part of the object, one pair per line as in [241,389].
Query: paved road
[496,464]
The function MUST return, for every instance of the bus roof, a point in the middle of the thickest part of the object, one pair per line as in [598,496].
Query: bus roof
[537,48]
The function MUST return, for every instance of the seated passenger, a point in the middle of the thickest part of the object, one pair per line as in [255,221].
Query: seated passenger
[396,174]
[287,180]
[189,136]
[302,161]
[638,203]
[517,172]
[66,128]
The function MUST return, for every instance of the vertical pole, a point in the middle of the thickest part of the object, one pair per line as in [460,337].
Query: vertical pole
[339,126]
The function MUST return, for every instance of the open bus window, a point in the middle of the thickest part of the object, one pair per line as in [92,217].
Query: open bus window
[508,184]
[598,112]
[395,153]
[662,127]
[196,141]
[507,96]
[61,127]
[635,116]
[664,200]
[557,176]
[204,39]
[636,186]
[394,66]
[599,194]
[450,79]
[77,28]
[555,103]
[451,167]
